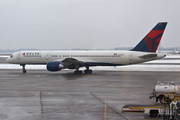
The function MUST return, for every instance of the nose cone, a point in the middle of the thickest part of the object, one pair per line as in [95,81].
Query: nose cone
[7,60]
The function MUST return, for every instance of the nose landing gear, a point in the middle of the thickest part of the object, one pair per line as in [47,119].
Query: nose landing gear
[23,69]
[77,71]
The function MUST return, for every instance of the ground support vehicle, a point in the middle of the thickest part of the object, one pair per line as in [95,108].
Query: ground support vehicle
[167,111]
[165,94]
[153,110]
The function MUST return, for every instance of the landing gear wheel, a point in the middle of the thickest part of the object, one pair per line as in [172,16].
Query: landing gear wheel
[87,71]
[78,72]
[24,71]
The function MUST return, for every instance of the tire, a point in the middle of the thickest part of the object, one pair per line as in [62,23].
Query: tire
[87,71]
[78,72]
[24,71]
[154,113]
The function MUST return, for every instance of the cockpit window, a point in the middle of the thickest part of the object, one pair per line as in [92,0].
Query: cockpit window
[11,56]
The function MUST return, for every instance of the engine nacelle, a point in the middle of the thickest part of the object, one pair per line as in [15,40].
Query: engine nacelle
[54,66]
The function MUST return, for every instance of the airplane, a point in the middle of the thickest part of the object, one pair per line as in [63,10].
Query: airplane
[144,51]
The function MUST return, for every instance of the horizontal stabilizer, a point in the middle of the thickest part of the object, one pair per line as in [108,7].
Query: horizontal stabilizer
[148,56]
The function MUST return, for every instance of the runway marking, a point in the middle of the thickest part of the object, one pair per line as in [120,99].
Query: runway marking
[105,111]
[115,110]
[40,95]
[9,75]
[142,99]
[107,87]
[105,96]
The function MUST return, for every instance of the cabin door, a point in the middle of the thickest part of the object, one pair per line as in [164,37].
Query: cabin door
[18,57]
[47,56]
[130,58]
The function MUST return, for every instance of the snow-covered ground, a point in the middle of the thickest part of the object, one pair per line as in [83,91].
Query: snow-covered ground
[137,67]
[4,56]
[172,56]
[118,68]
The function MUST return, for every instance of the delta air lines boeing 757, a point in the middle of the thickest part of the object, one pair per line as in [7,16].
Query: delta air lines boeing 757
[144,51]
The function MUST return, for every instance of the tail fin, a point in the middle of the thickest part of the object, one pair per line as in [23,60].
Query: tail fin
[151,41]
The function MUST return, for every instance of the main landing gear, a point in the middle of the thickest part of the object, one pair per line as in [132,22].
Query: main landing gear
[77,69]
[23,69]
[87,71]
[81,72]
[78,72]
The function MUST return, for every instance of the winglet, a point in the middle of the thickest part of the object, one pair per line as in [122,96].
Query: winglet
[151,41]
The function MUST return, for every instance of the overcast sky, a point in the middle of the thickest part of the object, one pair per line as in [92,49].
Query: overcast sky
[86,24]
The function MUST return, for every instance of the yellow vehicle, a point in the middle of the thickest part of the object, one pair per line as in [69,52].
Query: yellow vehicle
[153,110]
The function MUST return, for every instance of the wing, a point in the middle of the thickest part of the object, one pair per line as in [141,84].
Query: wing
[72,63]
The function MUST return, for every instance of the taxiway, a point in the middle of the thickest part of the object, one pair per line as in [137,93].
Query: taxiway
[43,95]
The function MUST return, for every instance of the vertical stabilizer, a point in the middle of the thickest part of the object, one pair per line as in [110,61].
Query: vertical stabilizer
[151,41]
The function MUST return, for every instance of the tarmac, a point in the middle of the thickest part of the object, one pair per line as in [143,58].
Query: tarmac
[44,95]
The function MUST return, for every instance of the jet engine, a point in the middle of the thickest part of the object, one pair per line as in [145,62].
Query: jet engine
[54,66]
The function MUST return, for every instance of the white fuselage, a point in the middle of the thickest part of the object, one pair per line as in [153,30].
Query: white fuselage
[93,58]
